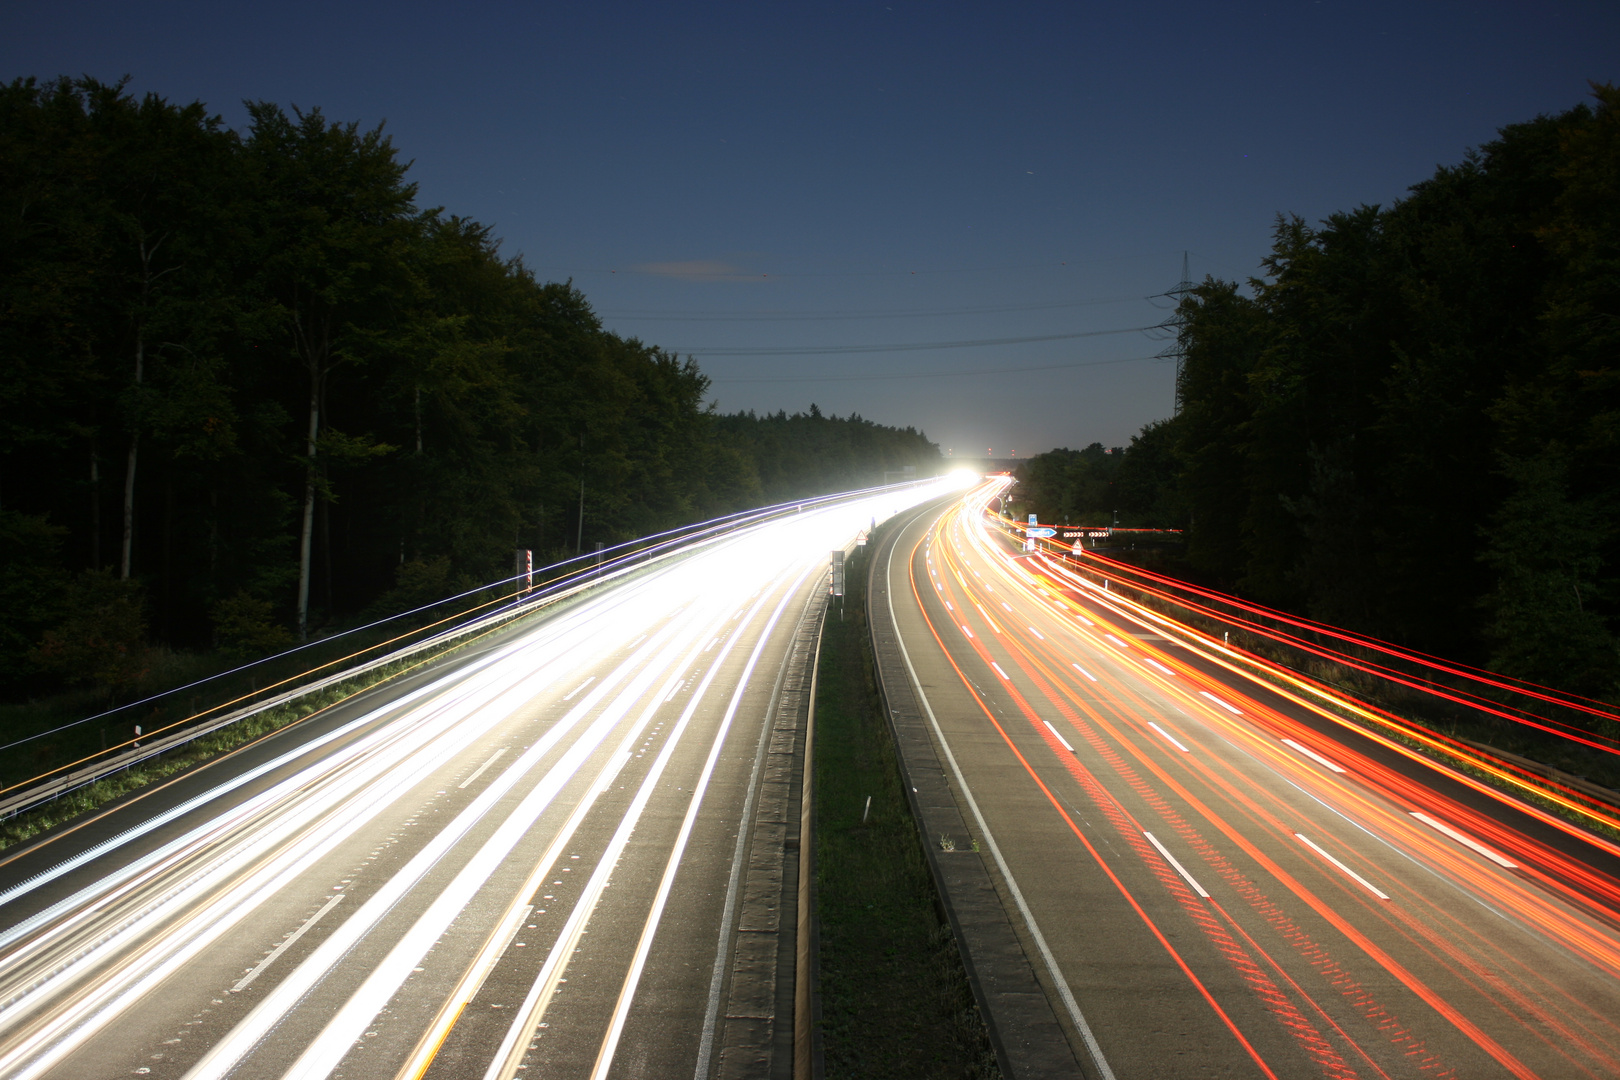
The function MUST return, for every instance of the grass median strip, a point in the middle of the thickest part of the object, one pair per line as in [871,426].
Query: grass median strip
[895,1000]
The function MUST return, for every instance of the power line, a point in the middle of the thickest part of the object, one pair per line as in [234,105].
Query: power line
[930,374]
[729,273]
[920,346]
[823,316]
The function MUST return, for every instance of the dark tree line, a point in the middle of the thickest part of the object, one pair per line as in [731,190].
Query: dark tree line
[1410,425]
[250,386]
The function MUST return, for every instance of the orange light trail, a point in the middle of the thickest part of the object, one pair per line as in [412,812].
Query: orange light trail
[1540,892]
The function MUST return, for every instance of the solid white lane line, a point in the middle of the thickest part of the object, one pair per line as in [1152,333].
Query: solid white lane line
[329,1048]
[201,832]
[179,940]
[381,781]
[739,851]
[554,645]
[225,1055]
[1084,672]
[1229,708]
[428,1046]
[1363,882]
[526,1018]
[1064,993]
[1169,738]
[1314,756]
[570,695]
[1464,840]
[1058,737]
[185,938]
[1171,859]
[292,939]
[632,978]
[493,758]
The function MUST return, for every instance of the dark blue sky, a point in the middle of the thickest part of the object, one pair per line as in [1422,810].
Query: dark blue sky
[725,178]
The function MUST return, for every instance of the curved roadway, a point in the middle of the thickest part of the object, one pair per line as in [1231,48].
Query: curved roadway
[533,861]
[1210,881]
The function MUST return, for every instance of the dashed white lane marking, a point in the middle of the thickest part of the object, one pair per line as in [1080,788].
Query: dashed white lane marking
[1365,884]
[1116,641]
[1222,704]
[1314,756]
[997,666]
[1464,840]
[570,695]
[480,770]
[292,939]
[1171,859]
[1058,737]
[1084,672]
[1036,632]
[1085,620]
[1158,665]
[1169,738]
[966,631]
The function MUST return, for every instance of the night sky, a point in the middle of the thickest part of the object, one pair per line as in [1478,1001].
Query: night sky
[784,190]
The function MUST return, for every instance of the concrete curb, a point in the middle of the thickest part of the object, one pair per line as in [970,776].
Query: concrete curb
[1024,1030]
[757,1026]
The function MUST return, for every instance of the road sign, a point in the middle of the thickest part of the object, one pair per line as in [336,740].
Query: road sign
[1042,531]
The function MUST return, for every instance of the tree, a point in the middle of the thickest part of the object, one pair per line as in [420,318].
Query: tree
[339,227]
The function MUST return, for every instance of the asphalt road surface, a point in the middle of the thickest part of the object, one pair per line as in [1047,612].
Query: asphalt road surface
[1213,881]
[527,863]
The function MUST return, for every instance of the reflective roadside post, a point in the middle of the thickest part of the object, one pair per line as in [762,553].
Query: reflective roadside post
[838,579]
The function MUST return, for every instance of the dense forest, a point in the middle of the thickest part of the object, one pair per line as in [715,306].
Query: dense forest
[250,385]
[1409,425]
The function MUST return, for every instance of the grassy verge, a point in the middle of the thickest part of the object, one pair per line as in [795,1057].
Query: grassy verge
[895,1000]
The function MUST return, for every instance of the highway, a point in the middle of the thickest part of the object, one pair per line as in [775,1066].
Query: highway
[535,861]
[1210,881]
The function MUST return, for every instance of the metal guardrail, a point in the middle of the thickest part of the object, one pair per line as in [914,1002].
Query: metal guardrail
[632,556]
